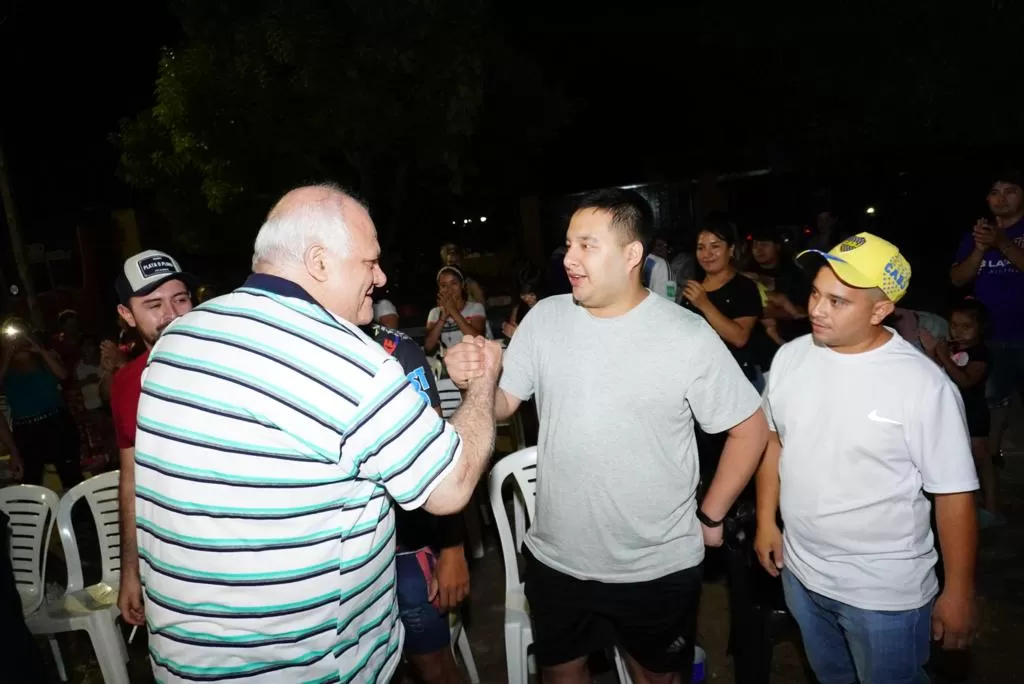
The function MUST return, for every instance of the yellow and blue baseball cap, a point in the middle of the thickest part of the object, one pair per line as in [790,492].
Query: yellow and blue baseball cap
[866,260]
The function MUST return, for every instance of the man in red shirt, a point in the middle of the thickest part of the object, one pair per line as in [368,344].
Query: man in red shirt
[153,291]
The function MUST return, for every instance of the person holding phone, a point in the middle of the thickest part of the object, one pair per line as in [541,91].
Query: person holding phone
[991,260]
[43,429]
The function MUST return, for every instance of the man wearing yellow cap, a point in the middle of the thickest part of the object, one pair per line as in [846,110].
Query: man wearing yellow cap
[862,425]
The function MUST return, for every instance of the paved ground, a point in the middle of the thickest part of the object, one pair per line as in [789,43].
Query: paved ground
[993,659]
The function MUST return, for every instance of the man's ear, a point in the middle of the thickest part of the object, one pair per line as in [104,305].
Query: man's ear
[635,254]
[126,315]
[315,260]
[882,309]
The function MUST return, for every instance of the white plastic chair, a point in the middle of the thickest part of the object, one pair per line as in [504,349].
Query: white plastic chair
[33,511]
[521,466]
[461,649]
[451,397]
[92,608]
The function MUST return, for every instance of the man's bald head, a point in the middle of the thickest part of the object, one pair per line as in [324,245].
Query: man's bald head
[304,217]
[322,239]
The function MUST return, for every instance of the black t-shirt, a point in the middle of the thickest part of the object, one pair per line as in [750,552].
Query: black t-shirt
[738,298]
[975,403]
[418,528]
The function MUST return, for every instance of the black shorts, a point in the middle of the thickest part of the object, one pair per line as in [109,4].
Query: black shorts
[654,621]
[978,421]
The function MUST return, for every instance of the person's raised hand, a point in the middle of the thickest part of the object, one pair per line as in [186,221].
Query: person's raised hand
[493,353]
[695,293]
[985,235]
[465,361]
[111,356]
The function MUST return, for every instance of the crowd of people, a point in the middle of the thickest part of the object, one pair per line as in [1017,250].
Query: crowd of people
[265,437]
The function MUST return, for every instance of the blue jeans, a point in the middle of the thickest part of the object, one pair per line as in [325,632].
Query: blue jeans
[846,645]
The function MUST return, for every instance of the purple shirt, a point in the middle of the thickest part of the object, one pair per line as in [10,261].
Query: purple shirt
[999,285]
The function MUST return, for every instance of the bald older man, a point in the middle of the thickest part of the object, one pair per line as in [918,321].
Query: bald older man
[274,439]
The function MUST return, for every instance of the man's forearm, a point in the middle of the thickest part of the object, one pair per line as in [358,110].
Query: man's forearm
[474,421]
[767,484]
[502,409]
[1014,253]
[957,522]
[740,456]
[966,270]
[126,514]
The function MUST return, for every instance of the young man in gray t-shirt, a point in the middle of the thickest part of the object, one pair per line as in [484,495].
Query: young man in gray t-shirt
[616,549]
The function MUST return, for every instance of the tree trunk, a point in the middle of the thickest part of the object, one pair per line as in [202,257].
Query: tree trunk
[17,248]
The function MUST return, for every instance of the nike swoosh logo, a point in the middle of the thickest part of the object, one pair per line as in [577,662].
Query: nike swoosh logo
[880,419]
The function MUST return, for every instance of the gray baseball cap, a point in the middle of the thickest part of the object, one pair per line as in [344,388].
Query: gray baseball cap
[146,271]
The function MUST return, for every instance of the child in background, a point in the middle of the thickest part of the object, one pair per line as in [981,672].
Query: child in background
[966,360]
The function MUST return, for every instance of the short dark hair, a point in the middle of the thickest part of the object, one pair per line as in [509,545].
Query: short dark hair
[972,307]
[631,213]
[719,225]
[1010,176]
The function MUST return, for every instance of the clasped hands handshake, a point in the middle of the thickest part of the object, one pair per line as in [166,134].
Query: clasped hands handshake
[473,360]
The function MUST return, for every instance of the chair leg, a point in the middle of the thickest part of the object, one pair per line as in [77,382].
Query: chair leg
[518,521]
[122,643]
[515,656]
[474,534]
[55,647]
[621,669]
[466,654]
[104,636]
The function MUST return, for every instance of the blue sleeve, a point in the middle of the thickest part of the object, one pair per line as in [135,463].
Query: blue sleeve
[417,370]
[965,248]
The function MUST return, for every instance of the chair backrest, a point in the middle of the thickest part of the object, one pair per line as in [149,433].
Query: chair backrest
[100,493]
[32,511]
[451,397]
[521,466]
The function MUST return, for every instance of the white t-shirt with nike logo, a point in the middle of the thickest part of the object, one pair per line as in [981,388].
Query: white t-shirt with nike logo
[863,437]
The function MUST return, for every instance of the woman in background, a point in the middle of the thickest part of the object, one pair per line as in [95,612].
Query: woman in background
[729,303]
[531,290]
[43,428]
[455,316]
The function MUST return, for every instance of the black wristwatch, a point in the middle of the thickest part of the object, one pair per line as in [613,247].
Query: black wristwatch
[706,521]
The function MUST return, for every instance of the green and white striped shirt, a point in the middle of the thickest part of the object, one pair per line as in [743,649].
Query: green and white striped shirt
[272,439]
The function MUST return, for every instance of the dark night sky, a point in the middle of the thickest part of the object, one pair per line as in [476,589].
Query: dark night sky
[70,72]
[659,98]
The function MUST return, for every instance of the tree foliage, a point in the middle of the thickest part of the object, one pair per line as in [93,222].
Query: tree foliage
[262,95]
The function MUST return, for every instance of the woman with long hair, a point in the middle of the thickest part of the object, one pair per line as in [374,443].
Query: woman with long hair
[454,316]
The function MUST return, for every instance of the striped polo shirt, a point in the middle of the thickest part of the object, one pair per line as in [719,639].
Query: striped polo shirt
[272,439]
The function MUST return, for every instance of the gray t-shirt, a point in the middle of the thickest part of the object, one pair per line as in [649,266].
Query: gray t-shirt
[617,463]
